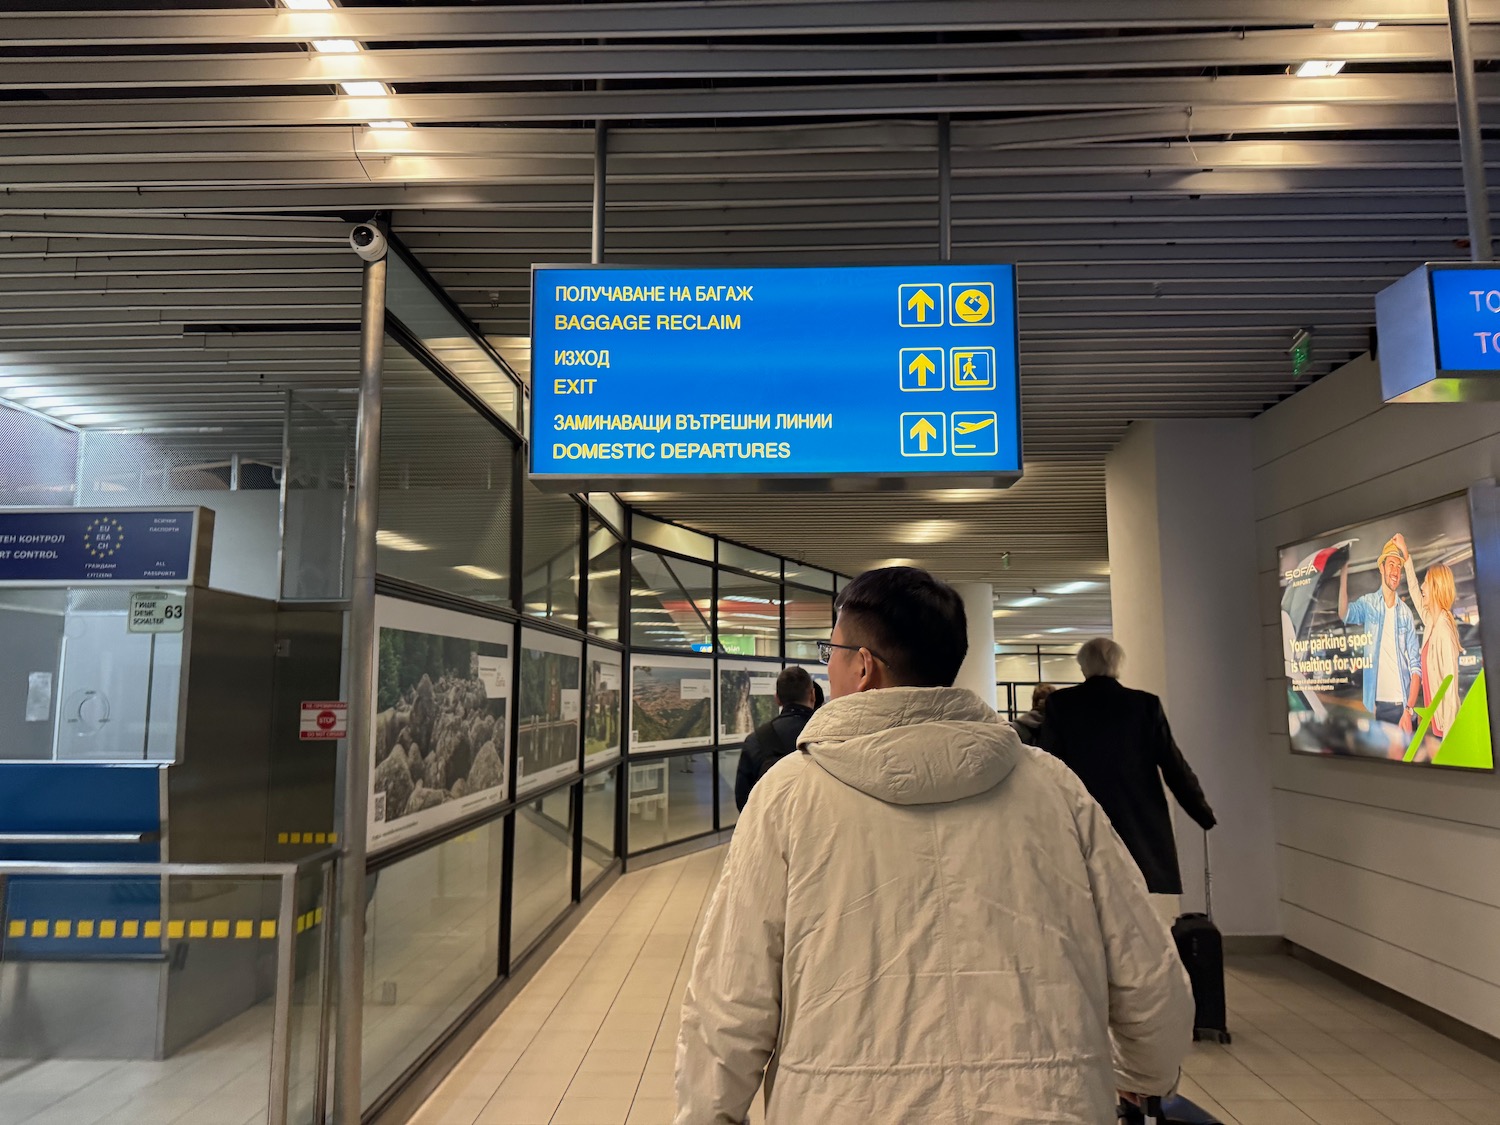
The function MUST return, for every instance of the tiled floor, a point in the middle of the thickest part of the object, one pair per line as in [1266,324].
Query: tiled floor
[591,1039]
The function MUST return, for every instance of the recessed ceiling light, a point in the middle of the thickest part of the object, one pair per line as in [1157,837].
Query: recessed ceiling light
[308,5]
[397,542]
[930,531]
[1074,587]
[1026,603]
[399,125]
[365,89]
[1355,25]
[482,572]
[1319,68]
[336,46]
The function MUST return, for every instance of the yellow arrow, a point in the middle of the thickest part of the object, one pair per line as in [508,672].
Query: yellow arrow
[923,431]
[922,301]
[923,367]
[970,427]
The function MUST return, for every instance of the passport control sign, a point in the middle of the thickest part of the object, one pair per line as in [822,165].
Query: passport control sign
[737,379]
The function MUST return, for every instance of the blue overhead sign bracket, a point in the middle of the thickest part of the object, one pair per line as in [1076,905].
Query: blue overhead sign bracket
[1439,334]
[774,378]
[106,546]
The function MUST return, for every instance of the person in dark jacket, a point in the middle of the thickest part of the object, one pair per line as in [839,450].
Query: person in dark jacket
[1117,741]
[772,741]
[1029,725]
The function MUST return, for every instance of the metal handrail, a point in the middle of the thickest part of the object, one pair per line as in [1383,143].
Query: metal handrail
[79,837]
[286,947]
[224,870]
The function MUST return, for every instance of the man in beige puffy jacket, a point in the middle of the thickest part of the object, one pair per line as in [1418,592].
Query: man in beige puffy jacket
[920,919]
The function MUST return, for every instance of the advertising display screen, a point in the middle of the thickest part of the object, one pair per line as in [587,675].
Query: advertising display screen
[737,375]
[1381,643]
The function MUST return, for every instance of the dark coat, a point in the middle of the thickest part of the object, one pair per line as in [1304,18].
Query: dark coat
[766,746]
[1117,741]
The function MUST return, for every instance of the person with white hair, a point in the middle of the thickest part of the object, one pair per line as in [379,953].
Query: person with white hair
[1117,740]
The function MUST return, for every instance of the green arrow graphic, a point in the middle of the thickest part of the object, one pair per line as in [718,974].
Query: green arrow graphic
[1425,714]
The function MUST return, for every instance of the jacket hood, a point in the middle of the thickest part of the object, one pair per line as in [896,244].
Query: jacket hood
[913,746]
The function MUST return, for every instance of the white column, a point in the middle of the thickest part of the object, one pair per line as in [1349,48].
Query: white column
[1183,592]
[978,671]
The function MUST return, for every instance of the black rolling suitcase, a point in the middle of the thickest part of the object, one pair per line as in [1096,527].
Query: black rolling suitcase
[1201,947]
[1167,1111]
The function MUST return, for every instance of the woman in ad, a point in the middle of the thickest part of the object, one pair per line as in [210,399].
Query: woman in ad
[1440,644]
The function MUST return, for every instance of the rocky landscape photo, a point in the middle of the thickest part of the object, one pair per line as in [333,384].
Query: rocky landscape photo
[746,699]
[670,704]
[439,736]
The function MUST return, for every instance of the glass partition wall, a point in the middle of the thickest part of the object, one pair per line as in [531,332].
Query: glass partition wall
[562,682]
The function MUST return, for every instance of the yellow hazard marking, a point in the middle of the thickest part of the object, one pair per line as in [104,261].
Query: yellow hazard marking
[307,837]
[175,929]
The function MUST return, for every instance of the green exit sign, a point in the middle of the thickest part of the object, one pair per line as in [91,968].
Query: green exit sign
[1301,353]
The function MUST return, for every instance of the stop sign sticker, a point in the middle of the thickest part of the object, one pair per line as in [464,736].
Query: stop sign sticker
[324,721]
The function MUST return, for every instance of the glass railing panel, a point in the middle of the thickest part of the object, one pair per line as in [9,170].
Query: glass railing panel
[131,996]
[432,947]
[544,868]
[671,799]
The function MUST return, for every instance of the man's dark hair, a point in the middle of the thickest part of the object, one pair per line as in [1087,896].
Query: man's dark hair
[794,685]
[913,621]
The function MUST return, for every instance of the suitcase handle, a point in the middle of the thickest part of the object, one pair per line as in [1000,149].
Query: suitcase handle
[1208,880]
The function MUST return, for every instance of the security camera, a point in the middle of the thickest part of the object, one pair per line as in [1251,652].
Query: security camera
[368,242]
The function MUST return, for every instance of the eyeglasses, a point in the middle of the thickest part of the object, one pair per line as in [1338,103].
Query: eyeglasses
[825,651]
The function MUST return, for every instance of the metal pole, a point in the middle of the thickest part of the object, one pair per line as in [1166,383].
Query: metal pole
[281,1026]
[1470,139]
[352,822]
[325,993]
[945,190]
[601,168]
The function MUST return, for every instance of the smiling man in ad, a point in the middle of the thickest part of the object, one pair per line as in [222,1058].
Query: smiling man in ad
[1380,636]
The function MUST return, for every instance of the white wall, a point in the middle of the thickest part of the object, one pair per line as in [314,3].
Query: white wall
[1182,582]
[1392,872]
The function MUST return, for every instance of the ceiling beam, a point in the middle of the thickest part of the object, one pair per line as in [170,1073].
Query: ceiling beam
[785,102]
[723,19]
[677,62]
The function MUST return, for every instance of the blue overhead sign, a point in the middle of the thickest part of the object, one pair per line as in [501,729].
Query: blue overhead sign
[79,546]
[833,375]
[1439,334]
